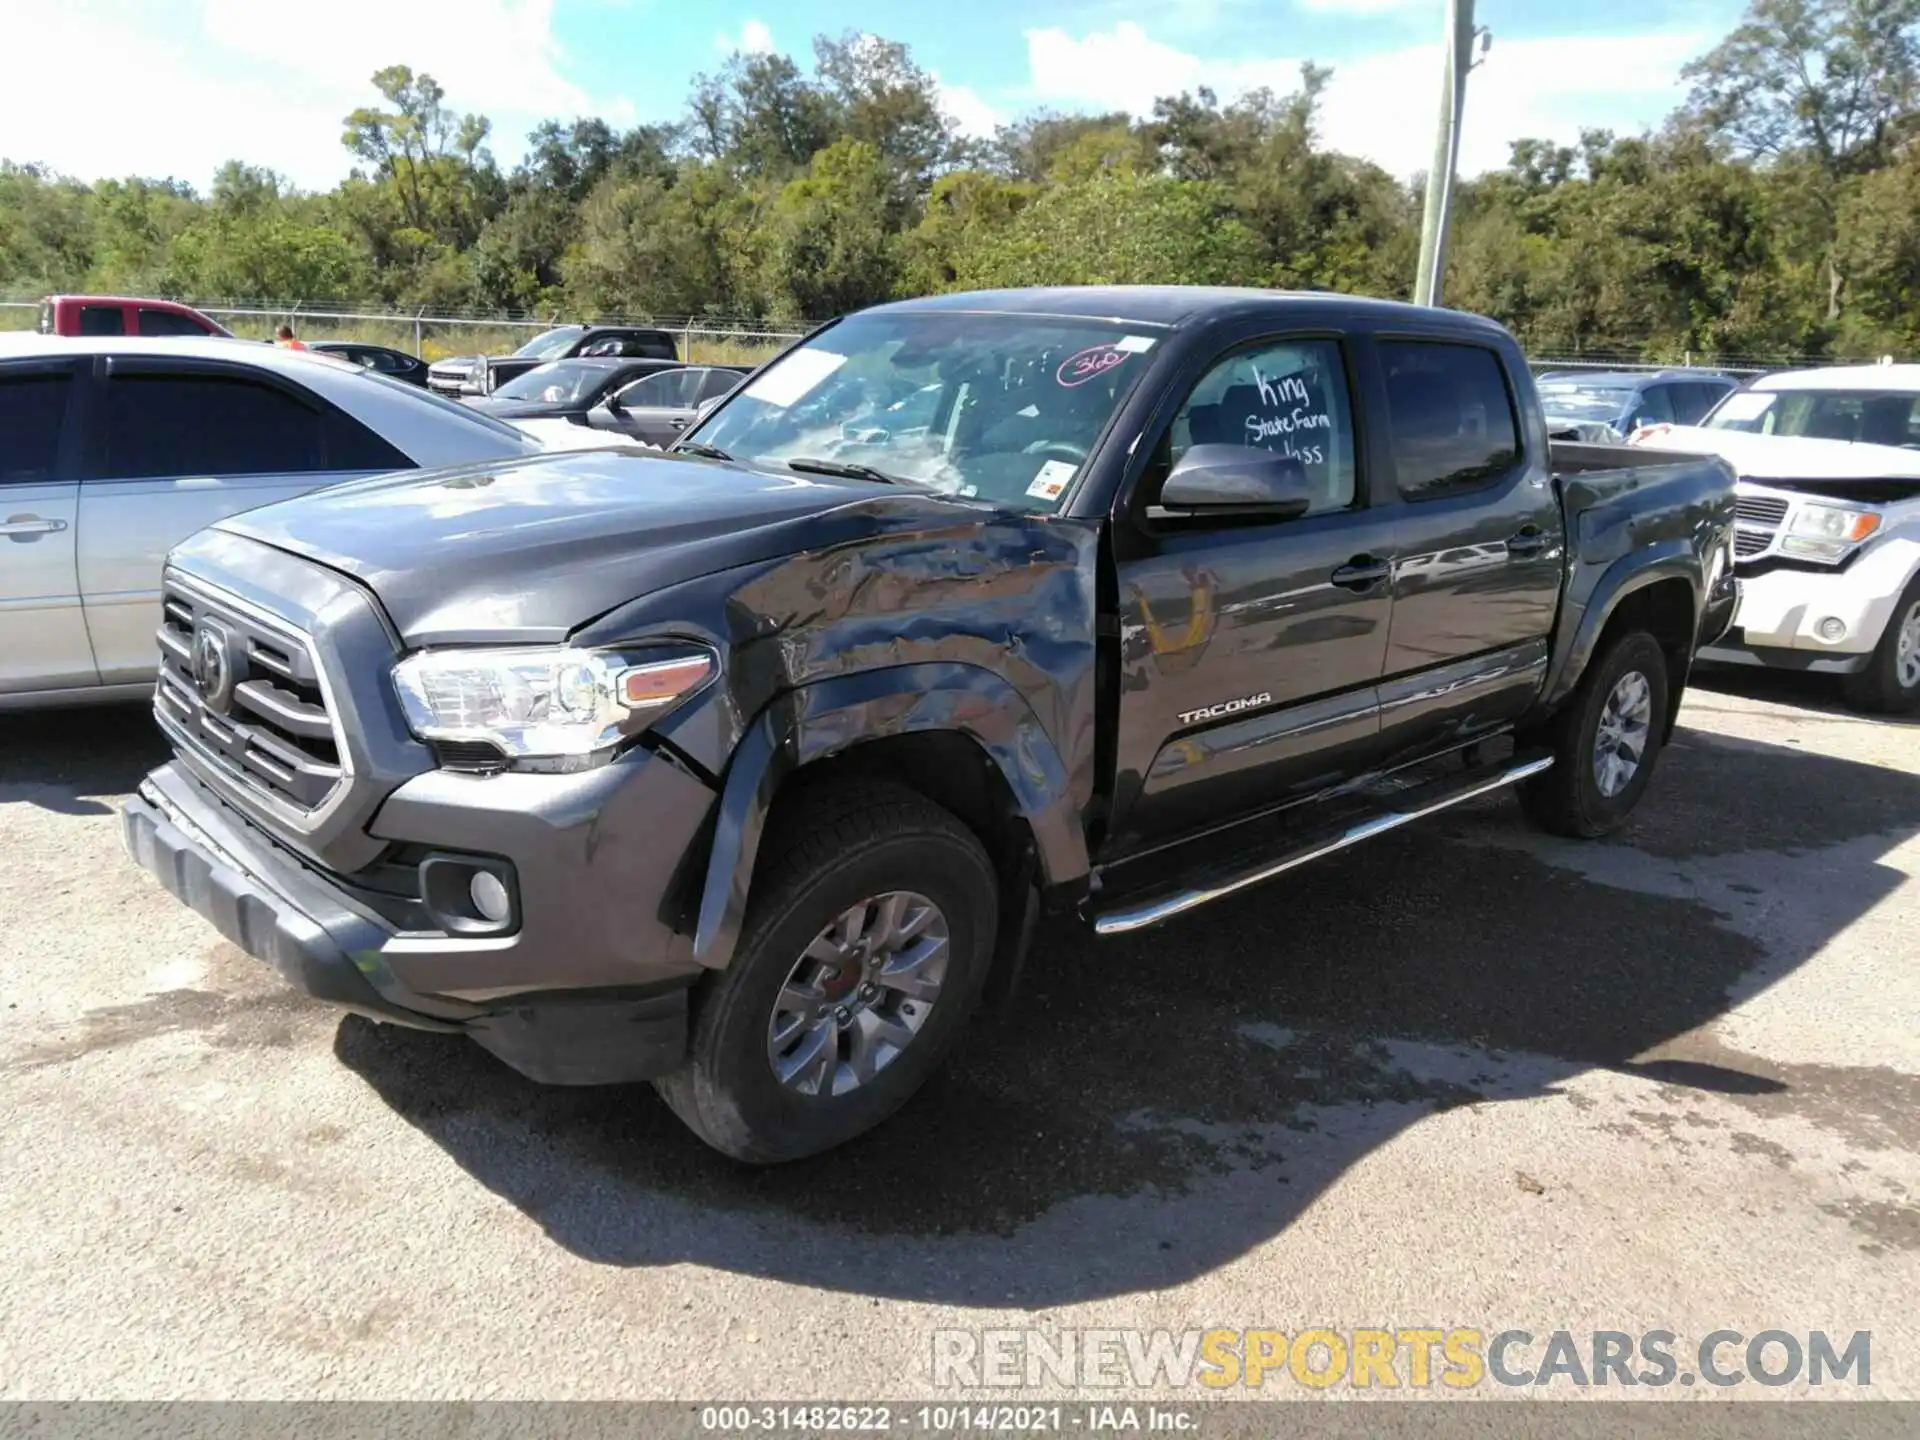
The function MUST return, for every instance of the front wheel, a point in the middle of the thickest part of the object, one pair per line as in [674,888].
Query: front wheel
[1605,742]
[1890,683]
[869,933]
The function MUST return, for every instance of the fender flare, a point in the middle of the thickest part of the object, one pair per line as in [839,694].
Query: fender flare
[833,715]
[1668,560]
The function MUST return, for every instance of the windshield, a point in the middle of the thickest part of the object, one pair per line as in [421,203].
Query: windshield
[1585,402]
[1003,407]
[1860,417]
[560,383]
[550,344]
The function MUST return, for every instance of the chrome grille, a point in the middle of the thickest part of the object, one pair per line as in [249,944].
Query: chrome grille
[1762,510]
[1756,521]
[257,712]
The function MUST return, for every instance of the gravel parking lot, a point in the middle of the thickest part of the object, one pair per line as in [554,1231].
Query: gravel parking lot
[1466,1076]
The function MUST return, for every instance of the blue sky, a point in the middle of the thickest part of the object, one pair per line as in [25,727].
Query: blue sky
[268,81]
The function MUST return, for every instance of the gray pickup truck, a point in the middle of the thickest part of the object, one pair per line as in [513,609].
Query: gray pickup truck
[747,769]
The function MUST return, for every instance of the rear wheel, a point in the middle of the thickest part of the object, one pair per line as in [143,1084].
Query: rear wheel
[1890,683]
[868,935]
[1605,742]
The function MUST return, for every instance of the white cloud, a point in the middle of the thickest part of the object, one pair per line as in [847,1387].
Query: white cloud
[1380,105]
[754,39]
[976,116]
[270,84]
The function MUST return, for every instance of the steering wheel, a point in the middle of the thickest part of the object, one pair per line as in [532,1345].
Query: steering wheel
[1058,450]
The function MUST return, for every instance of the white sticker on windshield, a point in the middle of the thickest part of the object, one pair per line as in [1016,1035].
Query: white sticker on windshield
[1134,344]
[1744,405]
[1028,412]
[794,377]
[1051,480]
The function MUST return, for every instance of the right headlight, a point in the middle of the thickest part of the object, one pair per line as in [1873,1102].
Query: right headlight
[555,707]
[1828,532]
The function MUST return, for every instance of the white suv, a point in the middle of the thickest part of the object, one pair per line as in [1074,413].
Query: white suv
[1828,540]
[114,450]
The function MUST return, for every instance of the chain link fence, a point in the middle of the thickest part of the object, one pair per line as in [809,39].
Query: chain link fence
[434,336]
[745,339]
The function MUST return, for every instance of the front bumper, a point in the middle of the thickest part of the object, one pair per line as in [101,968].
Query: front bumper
[589,988]
[1782,613]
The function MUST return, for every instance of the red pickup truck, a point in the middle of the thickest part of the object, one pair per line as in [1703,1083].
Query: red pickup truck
[116,315]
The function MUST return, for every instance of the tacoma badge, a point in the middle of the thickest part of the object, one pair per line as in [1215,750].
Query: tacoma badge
[1225,707]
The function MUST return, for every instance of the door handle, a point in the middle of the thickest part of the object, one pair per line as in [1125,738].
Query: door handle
[30,527]
[1529,541]
[1363,572]
[676,424]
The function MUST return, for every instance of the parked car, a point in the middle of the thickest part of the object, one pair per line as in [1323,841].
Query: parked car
[565,389]
[117,315]
[103,467]
[1829,525]
[382,359]
[482,374]
[1607,406]
[656,409]
[747,768]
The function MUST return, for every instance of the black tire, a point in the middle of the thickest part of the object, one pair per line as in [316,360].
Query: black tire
[1568,799]
[1878,688]
[825,855]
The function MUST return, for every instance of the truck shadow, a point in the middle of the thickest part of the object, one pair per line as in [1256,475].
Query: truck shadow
[1819,695]
[64,760]
[1151,1108]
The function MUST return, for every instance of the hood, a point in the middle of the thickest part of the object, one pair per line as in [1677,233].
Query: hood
[529,551]
[1787,457]
[456,365]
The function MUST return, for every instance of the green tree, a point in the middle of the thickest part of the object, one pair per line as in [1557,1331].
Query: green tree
[1825,84]
[1116,230]
[825,246]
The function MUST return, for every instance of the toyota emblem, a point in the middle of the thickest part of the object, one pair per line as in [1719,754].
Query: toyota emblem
[212,673]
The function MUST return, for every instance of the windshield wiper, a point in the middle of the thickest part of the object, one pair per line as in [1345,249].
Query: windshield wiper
[814,466]
[699,447]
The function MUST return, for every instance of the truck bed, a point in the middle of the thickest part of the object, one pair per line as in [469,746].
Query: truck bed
[1570,457]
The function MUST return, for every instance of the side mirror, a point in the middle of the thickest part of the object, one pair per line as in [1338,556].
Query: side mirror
[612,404]
[706,407]
[1237,480]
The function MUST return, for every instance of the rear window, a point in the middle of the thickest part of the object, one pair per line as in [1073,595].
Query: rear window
[102,320]
[32,411]
[1450,417]
[172,425]
[466,413]
[165,322]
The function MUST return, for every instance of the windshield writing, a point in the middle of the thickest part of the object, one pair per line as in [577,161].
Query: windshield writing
[1005,408]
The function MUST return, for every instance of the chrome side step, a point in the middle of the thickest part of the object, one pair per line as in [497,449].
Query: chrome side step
[1412,805]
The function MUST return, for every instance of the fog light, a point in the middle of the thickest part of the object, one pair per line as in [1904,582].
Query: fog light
[489,896]
[1832,628]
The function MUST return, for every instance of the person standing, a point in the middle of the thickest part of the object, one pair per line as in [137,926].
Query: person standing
[285,339]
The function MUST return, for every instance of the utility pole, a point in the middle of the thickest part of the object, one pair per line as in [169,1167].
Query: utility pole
[1446,148]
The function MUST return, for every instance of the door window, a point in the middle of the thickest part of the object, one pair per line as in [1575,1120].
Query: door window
[33,409]
[163,425]
[1692,402]
[102,320]
[1654,407]
[1449,415]
[1289,398]
[670,389]
[165,322]
[718,383]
